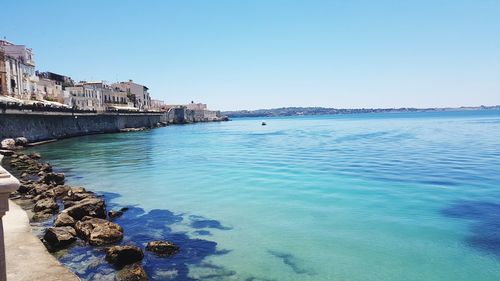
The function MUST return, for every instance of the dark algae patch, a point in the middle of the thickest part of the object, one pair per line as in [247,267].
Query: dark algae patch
[483,218]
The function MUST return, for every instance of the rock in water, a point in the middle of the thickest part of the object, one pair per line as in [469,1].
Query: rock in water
[63,219]
[35,155]
[132,272]
[123,255]
[92,207]
[46,168]
[56,238]
[53,178]
[46,204]
[21,141]
[98,231]
[162,248]
[8,144]
[114,214]
[6,152]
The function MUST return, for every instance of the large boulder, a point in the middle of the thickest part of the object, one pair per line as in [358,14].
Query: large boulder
[39,189]
[63,219]
[60,191]
[46,204]
[99,232]
[76,194]
[162,248]
[53,178]
[21,141]
[56,238]
[8,144]
[132,272]
[42,215]
[92,207]
[123,255]
[25,187]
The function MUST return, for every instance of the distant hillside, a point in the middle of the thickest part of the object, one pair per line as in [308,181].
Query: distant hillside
[291,111]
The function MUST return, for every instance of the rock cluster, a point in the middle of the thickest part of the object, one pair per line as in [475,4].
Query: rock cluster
[79,214]
[13,144]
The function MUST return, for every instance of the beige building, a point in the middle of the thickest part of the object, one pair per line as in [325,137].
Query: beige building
[49,90]
[138,94]
[17,71]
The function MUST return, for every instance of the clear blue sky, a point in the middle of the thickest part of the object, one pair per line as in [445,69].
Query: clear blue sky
[272,53]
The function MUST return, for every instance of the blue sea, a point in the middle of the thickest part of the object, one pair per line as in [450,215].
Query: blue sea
[400,196]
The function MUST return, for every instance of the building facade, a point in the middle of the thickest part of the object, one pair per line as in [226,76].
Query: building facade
[17,71]
[49,90]
[137,93]
[84,97]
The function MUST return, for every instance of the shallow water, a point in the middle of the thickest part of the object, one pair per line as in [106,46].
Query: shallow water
[405,196]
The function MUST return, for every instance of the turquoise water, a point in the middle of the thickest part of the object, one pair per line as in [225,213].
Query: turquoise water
[406,196]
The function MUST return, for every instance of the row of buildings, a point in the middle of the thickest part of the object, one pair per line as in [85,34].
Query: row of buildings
[21,83]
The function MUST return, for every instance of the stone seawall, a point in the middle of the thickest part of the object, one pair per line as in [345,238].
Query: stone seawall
[44,126]
[183,115]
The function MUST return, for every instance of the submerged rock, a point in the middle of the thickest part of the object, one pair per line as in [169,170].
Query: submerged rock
[92,207]
[46,204]
[56,238]
[123,255]
[98,231]
[114,214]
[63,219]
[132,272]
[162,248]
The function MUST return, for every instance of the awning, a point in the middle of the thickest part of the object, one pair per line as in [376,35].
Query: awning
[124,108]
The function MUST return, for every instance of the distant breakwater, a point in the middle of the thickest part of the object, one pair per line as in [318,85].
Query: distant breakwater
[40,126]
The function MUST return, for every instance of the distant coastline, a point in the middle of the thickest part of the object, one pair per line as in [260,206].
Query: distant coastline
[293,111]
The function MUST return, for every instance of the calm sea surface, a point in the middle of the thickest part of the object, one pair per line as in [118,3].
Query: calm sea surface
[405,196]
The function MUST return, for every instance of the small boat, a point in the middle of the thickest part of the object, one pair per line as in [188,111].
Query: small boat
[264,123]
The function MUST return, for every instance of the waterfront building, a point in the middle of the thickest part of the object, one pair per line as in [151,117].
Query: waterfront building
[117,99]
[84,97]
[51,86]
[137,93]
[49,90]
[17,71]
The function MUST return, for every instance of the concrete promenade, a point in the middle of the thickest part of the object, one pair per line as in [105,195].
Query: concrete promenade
[27,259]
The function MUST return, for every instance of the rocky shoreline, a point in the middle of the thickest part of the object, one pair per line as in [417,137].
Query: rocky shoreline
[75,217]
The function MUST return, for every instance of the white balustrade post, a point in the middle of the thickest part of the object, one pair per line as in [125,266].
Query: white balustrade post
[8,184]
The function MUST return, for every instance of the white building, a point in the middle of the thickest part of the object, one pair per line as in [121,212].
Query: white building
[137,92]
[17,71]
[84,97]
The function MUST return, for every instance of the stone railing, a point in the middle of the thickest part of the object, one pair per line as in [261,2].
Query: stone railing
[8,184]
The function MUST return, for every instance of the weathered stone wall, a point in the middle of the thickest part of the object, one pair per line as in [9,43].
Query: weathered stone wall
[38,127]
[183,115]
